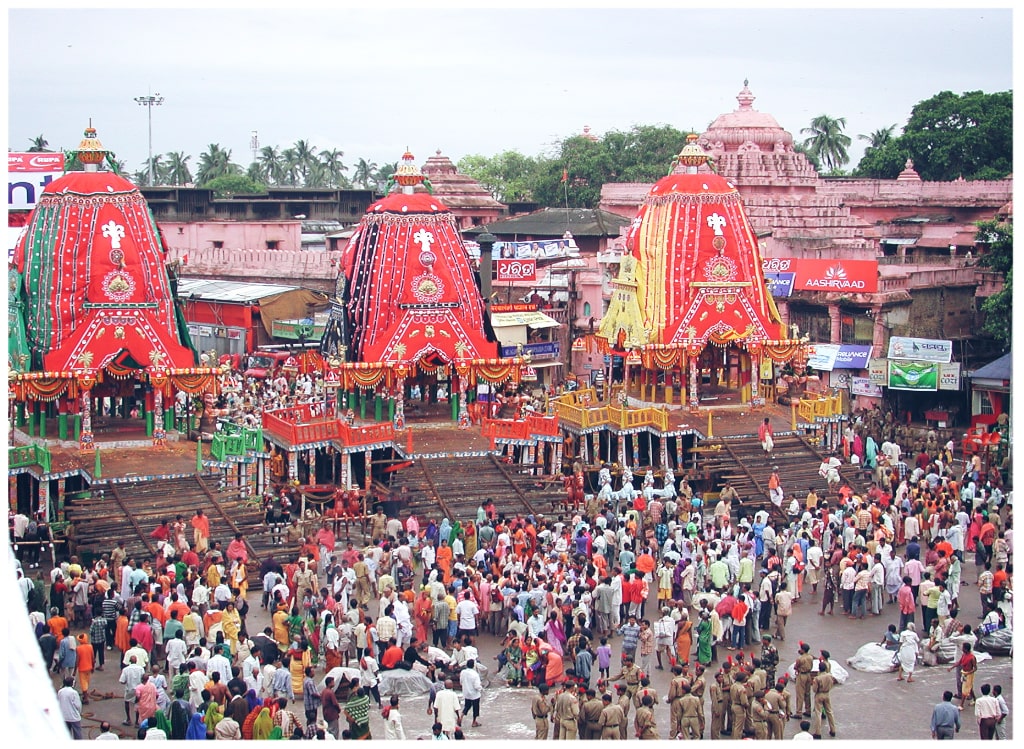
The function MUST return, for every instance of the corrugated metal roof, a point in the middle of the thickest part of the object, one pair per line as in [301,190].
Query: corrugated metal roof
[228,291]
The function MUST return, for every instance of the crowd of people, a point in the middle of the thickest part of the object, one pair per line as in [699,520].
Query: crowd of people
[587,605]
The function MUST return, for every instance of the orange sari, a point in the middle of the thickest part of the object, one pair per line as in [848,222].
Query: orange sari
[121,638]
[444,561]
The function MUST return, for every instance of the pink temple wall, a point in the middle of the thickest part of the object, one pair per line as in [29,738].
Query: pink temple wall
[233,235]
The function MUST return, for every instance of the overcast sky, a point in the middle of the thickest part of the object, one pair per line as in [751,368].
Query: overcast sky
[372,82]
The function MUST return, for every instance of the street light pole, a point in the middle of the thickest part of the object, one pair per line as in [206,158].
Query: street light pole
[149,101]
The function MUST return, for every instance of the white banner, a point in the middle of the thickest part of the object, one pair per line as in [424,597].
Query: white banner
[920,349]
[878,371]
[864,386]
[949,376]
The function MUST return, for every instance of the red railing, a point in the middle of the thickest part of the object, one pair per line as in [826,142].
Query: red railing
[299,425]
[520,429]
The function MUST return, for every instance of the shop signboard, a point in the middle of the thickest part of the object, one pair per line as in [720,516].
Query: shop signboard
[913,375]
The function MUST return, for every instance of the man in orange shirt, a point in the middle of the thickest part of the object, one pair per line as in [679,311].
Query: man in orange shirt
[57,624]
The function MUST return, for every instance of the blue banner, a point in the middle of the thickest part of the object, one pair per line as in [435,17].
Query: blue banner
[780,284]
[546,350]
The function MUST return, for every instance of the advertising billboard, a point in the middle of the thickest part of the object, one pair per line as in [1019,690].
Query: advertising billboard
[28,174]
[913,375]
[920,349]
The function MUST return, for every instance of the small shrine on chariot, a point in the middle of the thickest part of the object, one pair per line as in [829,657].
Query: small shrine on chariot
[97,347]
[407,331]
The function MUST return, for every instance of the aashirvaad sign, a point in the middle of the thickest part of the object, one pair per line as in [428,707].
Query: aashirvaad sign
[853,276]
[28,174]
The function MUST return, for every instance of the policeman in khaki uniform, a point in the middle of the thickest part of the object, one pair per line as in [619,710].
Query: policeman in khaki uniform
[624,701]
[759,715]
[718,707]
[541,709]
[644,723]
[698,684]
[739,700]
[692,708]
[611,718]
[727,679]
[778,703]
[822,686]
[675,694]
[804,667]
[567,713]
[590,715]
[645,689]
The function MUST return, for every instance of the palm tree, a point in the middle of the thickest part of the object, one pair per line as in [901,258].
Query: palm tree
[216,162]
[827,141]
[39,144]
[316,175]
[331,160]
[177,171]
[158,172]
[383,174]
[290,171]
[364,173]
[880,137]
[271,166]
[305,157]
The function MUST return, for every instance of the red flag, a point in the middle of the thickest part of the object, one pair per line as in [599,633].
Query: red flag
[565,175]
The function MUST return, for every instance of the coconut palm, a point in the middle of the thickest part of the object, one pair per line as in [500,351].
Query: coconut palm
[291,174]
[271,166]
[364,173]
[880,137]
[317,175]
[216,162]
[154,174]
[176,170]
[827,141]
[305,157]
[335,167]
[39,144]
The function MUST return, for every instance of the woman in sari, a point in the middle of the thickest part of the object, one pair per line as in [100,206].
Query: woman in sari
[196,728]
[704,639]
[239,578]
[444,560]
[423,612]
[214,715]
[262,726]
[870,452]
[684,639]
[556,632]
[296,625]
[470,539]
[974,530]
[513,661]
[332,643]
[300,661]
[357,713]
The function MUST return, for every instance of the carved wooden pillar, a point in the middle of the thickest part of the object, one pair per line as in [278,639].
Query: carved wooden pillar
[399,421]
[159,432]
[86,440]
[346,471]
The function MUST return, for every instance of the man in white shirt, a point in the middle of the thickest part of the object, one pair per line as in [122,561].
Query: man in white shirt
[131,677]
[466,610]
[177,651]
[472,691]
[447,710]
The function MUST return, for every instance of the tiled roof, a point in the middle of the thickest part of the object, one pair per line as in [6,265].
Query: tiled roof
[552,222]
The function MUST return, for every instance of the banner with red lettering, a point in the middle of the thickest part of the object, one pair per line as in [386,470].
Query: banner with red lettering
[27,174]
[516,270]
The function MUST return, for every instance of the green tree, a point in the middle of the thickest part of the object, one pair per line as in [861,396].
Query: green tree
[826,140]
[235,184]
[971,135]
[997,240]
[291,172]
[509,176]
[305,158]
[177,171]
[39,144]
[383,174]
[364,173]
[216,162]
[880,137]
[884,162]
[270,166]
[331,160]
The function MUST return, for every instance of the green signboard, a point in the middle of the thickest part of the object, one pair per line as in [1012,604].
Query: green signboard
[913,375]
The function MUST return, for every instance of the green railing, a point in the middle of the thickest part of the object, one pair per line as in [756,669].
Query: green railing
[233,439]
[29,455]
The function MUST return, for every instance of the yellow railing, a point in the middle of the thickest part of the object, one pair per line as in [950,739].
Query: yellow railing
[821,407]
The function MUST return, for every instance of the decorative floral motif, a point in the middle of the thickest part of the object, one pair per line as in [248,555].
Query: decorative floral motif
[428,288]
[118,286]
